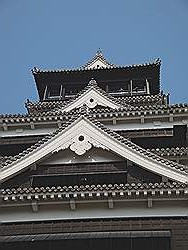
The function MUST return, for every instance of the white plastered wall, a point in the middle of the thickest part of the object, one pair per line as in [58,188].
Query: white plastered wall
[127,209]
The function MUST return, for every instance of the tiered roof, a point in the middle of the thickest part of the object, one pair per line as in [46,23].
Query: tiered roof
[103,71]
[75,167]
[79,131]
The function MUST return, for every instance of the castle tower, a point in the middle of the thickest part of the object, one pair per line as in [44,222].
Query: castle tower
[99,161]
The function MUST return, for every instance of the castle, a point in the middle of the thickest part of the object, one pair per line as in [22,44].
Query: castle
[100,161]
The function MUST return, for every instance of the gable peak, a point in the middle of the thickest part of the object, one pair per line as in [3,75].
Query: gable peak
[92,83]
[98,62]
[99,52]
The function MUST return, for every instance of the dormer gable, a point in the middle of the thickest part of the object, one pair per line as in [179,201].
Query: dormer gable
[92,96]
[98,62]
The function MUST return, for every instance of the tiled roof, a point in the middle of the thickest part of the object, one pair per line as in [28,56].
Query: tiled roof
[128,111]
[143,99]
[137,111]
[83,112]
[42,106]
[36,71]
[124,101]
[178,151]
[94,191]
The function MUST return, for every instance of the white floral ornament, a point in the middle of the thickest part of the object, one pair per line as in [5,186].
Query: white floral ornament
[80,145]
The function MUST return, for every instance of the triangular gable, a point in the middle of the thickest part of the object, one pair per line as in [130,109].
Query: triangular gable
[97,64]
[98,61]
[92,96]
[81,135]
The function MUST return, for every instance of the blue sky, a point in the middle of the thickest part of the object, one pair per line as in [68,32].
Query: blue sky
[53,34]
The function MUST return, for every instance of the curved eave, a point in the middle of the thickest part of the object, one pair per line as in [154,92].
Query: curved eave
[39,71]
[57,77]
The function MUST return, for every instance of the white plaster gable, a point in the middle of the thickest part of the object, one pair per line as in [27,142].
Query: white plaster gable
[91,98]
[97,64]
[86,135]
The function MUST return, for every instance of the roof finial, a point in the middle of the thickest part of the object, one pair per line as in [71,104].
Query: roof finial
[92,82]
[99,52]
[35,70]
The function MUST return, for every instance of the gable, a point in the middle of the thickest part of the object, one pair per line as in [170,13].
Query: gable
[80,136]
[97,64]
[98,61]
[92,97]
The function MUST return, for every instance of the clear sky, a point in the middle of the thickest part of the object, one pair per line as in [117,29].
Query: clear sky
[53,34]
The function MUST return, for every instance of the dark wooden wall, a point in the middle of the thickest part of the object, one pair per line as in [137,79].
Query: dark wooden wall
[177,226]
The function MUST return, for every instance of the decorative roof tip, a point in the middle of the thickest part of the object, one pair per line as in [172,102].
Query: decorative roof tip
[35,70]
[99,52]
[92,82]
[158,61]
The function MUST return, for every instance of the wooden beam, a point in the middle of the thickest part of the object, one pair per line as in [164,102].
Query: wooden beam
[142,119]
[110,203]
[45,92]
[147,87]
[171,117]
[60,93]
[34,206]
[72,205]
[131,87]
[150,203]
[5,127]
[114,121]
[63,92]
[32,125]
